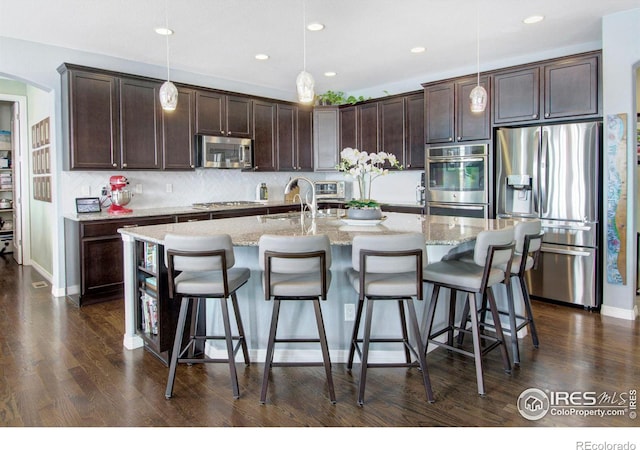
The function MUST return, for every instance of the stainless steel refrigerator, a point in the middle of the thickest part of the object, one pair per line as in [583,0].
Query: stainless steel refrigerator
[553,173]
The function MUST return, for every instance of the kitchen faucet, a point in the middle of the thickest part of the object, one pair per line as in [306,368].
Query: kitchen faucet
[313,207]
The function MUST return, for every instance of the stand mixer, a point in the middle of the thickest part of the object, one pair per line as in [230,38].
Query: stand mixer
[119,195]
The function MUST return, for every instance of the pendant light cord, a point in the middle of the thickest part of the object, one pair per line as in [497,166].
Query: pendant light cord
[304,36]
[478,39]
[166,24]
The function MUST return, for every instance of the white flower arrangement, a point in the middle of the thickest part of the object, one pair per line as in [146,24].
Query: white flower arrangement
[365,167]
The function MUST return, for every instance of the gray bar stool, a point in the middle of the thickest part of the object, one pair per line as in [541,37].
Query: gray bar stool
[296,268]
[201,267]
[528,237]
[387,268]
[493,251]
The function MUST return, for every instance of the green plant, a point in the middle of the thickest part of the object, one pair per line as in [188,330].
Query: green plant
[338,98]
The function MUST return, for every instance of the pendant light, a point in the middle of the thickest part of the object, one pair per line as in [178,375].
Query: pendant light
[478,95]
[168,90]
[304,81]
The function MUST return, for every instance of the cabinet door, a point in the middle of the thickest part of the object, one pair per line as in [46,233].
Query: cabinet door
[471,126]
[516,96]
[178,135]
[101,267]
[140,124]
[304,141]
[91,120]
[439,114]
[286,125]
[210,113]
[238,110]
[326,149]
[264,126]
[392,127]
[571,88]
[368,126]
[414,155]
[348,129]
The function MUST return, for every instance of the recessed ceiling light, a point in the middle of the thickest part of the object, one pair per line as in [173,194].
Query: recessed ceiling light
[315,26]
[418,50]
[533,19]
[261,57]
[164,31]
[329,74]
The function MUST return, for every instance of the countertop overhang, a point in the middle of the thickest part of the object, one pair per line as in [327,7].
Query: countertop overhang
[246,231]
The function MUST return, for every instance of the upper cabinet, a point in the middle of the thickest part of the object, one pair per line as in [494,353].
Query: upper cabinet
[554,90]
[448,116]
[264,136]
[219,114]
[294,138]
[414,131]
[326,139]
[113,121]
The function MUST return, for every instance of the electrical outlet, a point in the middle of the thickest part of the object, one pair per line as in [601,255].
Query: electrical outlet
[169,187]
[104,192]
[349,312]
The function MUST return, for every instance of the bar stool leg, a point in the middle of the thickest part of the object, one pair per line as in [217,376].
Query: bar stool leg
[506,362]
[365,351]
[177,344]
[477,350]
[420,350]
[405,333]
[452,315]
[354,334]
[325,349]
[229,341]
[270,347]
[236,311]
[428,323]
[512,323]
[527,306]
[463,321]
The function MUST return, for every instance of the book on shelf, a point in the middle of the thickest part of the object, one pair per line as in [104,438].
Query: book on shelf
[149,314]
[150,256]
[151,283]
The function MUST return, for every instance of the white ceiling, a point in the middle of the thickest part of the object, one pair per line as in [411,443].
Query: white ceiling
[366,42]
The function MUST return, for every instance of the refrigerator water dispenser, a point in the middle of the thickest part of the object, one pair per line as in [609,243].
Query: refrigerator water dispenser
[518,194]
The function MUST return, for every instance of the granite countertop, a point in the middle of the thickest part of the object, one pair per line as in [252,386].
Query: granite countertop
[246,231]
[177,210]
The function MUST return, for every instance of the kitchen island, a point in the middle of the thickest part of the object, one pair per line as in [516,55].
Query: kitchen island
[440,232]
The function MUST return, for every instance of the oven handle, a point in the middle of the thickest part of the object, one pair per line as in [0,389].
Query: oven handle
[467,207]
[449,160]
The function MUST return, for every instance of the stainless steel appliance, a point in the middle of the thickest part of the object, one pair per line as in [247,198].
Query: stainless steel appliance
[457,180]
[330,189]
[226,153]
[553,173]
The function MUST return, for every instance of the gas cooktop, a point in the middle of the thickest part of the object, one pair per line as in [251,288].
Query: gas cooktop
[214,205]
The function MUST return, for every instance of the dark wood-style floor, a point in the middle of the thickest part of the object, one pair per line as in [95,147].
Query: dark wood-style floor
[61,366]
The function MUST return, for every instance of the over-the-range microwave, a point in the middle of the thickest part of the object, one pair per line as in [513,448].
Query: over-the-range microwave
[220,152]
[330,189]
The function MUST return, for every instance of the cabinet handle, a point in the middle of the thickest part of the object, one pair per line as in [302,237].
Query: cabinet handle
[228,133]
[546,115]
[114,165]
[124,165]
[458,137]
[408,165]
[450,139]
[192,166]
[535,116]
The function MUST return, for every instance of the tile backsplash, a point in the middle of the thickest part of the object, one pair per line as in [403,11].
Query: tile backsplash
[210,185]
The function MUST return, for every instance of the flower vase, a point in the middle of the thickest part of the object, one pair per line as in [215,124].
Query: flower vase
[366,213]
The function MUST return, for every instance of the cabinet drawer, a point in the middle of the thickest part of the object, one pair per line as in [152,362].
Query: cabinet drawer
[110,227]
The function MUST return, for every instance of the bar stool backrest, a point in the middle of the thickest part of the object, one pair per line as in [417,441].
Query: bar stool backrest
[395,242]
[294,244]
[489,238]
[522,229]
[195,245]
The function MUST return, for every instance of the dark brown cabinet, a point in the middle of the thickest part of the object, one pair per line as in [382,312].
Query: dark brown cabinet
[571,87]
[219,114]
[448,116]
[178,148]
[368,127]
[392,127]
[348,127]
[294,138]
[90,119]
[326,139]
[414,129]
[555,90]
[140,124]
[264,136]
[304,139]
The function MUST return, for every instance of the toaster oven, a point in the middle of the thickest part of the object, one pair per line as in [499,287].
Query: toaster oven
[330,189]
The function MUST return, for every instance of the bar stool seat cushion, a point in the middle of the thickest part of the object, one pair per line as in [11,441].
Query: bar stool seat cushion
[210,282]
[297,284]
[515,264]
[385,284]
[461,273]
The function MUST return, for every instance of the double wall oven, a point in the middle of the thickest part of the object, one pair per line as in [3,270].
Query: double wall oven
[457,180]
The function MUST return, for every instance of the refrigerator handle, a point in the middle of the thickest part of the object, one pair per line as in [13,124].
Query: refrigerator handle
[544,154]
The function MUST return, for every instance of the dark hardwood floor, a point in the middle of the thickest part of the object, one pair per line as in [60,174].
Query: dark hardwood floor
[61,366]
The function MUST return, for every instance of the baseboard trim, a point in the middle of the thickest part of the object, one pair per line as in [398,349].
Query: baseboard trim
[619,313]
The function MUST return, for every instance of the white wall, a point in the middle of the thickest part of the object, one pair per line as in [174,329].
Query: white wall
[621,55]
